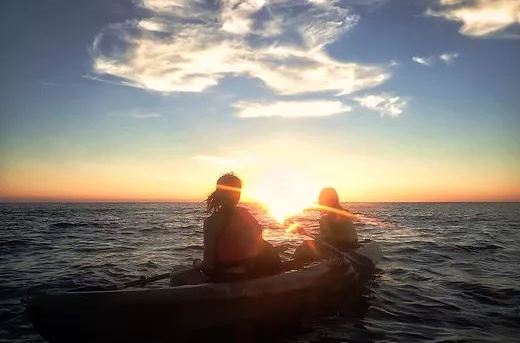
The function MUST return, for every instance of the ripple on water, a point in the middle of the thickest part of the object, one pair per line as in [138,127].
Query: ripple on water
[450,271]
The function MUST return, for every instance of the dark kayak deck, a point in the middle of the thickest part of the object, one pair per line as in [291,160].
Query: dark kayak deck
[160,315]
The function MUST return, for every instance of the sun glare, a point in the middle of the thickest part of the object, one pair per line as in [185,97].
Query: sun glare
[285,193]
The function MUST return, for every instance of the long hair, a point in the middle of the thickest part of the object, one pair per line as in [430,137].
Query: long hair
[226,195]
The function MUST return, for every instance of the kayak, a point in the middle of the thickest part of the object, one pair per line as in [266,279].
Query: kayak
[166,314]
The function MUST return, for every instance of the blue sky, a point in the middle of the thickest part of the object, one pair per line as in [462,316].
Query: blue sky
[175,92]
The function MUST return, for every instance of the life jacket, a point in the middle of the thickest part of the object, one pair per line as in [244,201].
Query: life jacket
[240,238]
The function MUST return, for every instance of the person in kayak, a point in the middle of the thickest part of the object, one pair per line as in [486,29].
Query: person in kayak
[336,229]
[234,248]
[336,225]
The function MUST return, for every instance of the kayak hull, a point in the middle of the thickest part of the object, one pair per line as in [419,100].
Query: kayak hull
[158,315]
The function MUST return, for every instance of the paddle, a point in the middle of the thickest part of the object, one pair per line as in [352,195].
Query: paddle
[143,280]
[343,254]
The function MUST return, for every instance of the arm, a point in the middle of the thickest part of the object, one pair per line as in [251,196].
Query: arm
[208,264]
[251,221]
[325,226]
[351,228]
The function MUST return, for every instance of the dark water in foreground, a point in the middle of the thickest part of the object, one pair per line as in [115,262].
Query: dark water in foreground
[451,271]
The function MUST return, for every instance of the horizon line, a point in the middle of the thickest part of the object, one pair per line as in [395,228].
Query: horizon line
[243,202]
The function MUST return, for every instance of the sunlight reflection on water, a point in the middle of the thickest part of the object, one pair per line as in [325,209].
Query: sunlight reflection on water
[450,270]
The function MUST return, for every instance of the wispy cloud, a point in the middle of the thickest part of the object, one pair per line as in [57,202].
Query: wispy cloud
[290,109]
[480,18]
[136,114]
[386,104]
[371,3]
[144,115]
[49,84]
[425,61]
[189,46]
[449,57]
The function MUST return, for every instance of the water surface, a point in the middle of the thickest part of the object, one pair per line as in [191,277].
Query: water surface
[450,271]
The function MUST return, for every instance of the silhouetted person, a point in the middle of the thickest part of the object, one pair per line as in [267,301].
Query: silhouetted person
[336,229]
[336,225]
[234,248]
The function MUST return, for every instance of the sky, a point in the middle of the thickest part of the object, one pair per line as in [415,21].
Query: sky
[152,100]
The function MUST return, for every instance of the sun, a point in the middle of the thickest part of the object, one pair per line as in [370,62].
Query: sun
[284,192]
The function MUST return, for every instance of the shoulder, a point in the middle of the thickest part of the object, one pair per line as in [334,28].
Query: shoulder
[325,219]
[246,216]
[343,219]
[211,218]
[325,223]
[242,211]
[333,219]
[213,221]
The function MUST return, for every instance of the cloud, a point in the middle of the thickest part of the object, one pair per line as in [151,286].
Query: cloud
[364,3]
[449,57]
[142,115]
[191,45]
[425,61]
[290,109]
[480,18]
[136,114]
[385,104]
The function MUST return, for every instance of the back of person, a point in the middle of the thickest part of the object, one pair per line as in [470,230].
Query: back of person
[239,238]
[233,245]
[336,225]
[336,228]
[338,231]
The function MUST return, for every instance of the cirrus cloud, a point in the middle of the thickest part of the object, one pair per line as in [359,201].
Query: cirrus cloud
[480,18]
[386,104]
[191,45]
[290,109]
[447,57]
[425,61]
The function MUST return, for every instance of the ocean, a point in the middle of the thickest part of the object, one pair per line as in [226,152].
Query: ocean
[450,271]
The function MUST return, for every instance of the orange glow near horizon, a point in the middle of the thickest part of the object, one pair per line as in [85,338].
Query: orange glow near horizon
[285,174]
[80,186]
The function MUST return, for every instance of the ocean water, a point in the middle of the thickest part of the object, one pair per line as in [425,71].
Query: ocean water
[450,273]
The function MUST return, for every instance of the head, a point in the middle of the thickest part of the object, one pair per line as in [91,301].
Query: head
[329,197]
[226,195]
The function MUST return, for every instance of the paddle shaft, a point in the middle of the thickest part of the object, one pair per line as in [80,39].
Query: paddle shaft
[319,241]
[141,282]
[328,245]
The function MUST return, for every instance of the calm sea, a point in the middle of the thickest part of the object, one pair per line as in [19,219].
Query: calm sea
[451,270]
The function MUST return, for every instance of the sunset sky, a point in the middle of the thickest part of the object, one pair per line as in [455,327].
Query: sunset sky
[151,100]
